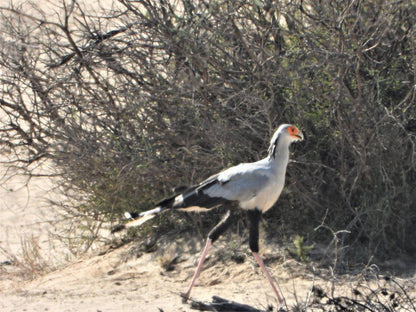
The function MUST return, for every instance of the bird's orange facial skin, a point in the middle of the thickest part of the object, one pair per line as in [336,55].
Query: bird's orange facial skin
[294,132]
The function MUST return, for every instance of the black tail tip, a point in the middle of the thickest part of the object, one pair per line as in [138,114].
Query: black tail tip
[131,215]
[117,228]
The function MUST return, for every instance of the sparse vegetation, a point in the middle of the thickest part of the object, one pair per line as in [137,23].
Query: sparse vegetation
[300,249]
[387,296]
[167,261]
[28,265]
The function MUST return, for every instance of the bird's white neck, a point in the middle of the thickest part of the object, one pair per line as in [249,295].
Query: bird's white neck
[280,157]
[280,154]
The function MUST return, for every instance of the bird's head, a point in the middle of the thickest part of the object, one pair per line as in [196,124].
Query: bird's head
[286,134]
[294,133]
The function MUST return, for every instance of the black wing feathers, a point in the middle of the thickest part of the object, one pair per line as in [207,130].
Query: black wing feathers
[195,197]
[167,202]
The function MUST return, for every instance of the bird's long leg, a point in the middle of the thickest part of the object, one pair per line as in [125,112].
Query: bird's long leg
[255,216]
[213,235]
[268,276]
[186,295]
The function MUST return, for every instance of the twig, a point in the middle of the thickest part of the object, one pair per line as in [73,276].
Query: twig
[219,304]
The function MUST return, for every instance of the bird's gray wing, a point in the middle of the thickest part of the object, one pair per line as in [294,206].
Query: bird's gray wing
[239,183]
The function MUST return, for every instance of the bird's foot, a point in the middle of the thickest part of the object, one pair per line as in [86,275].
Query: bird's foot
[185,297]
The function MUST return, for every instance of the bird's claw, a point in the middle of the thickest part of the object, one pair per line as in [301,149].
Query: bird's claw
[185,297]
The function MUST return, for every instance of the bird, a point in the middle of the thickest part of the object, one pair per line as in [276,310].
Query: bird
[254,187]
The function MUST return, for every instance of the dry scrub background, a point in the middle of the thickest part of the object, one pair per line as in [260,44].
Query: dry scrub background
[120,101]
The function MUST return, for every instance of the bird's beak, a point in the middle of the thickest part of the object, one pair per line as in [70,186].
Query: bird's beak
[298,136]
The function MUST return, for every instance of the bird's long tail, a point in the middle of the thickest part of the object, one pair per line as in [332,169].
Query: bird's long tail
[188,199]
[142,217]
[137,219]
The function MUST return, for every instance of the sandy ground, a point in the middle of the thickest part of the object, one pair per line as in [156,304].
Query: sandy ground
[120,281]
[127,278]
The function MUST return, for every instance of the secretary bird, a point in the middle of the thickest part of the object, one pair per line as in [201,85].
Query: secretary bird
[254,186]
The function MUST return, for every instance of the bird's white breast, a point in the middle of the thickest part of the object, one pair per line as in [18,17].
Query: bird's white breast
[266,198]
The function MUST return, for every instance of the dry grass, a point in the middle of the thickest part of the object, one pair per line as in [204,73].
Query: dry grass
[27,265]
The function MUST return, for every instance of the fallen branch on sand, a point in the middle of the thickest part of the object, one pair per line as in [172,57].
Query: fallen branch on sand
[219,304]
